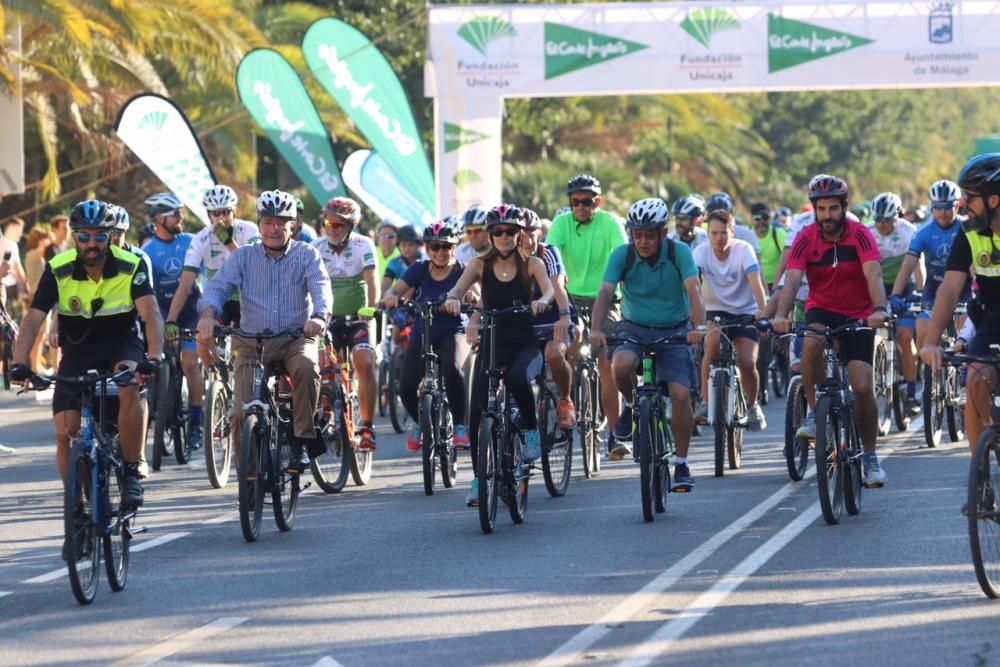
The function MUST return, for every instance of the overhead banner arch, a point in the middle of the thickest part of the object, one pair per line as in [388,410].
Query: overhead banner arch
[479,55]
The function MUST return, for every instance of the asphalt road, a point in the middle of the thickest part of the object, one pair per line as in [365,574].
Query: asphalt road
[742,571]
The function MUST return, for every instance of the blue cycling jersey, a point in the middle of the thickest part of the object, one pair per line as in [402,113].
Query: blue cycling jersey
[168,265]
[934,243]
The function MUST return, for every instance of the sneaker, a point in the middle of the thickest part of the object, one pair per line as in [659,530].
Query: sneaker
[611,443]
[875,476]
[532,445]
[367,433]
[298,462]
[683,481]
[196,437]
[701,414]
[620,451]
[6,451]
[623,427]
[413,442]
[132,488]
[912,406]
[143,468]
[755,419]
[472,498]
[461,437]
[567,414]
[807,429]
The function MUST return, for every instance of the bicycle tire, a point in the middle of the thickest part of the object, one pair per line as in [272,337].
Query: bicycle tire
[720,420]
[81,534]
[644,444]
[285,486]
[763,362]
[7,360]
[734,435]
[252,481]
[779,370]
[796,449]
[330,470]
[163,408]
[853,484]
[661,466]
[984,476]
[932,407]
[359,459]
[218,433]
[829,471]
[383,387]
[428,426]
[116,542]
[883,389]
[585,417]
[397,413]
[179,420]
[488,467]
[557,458]
[515,477]
[954,412]
[447,455]
[898,412]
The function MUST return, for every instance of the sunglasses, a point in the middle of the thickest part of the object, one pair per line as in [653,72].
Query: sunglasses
[438,247]
[943,207]
[504,231]
[99,237]
[761,218]
[330,224]
[386,235]
[883,221]
[682,218]
[473,230]
[576,203]
[220,213]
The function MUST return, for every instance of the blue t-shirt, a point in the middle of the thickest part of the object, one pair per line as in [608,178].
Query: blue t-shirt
[168,265]
[935,244]
[653,295]
[418,276]
[306,234]
[398,266]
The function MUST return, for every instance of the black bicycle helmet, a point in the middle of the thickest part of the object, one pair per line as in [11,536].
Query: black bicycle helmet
[507,214]
[90,213]
[442,230]
[981,174]
[584,183]
[409,233]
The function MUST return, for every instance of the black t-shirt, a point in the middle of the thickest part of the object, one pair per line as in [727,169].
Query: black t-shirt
[960,259]
[75,330]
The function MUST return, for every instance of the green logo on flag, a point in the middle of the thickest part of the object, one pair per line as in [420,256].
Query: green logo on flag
[568,49]
[792,42]
[465,177]
[703,23]
[482,31]
[153,120]
[456,135]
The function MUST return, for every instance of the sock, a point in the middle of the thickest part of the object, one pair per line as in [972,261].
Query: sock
[196,415]
[680,459]
[911,389]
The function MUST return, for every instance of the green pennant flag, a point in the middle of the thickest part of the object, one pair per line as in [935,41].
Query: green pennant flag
[568,49]
[791,42]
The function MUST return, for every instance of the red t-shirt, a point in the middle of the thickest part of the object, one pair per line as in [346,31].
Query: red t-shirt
[836,280]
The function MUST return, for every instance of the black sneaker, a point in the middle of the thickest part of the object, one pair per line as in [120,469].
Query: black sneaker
[298,462]
[912,406]
[683,481]
[131,487]
[623,427]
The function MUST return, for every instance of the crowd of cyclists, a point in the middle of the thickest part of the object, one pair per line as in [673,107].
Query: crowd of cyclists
[684,270]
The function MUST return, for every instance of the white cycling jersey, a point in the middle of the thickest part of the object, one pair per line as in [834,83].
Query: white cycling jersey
[346,269]
[206,250]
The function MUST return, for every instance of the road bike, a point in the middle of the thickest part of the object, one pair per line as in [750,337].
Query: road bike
[941,398]
[170,420]
[557,443]
[586,393]
[727,404]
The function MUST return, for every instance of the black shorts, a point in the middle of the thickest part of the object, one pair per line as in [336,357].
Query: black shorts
[854,346]
[104,356]
[987,333]
[747,331]
[352,334]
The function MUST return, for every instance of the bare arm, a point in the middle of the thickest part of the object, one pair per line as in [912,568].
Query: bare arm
[757,287]
[876,287]
[30,325]
[536,268]
[918,276]
[180,296]
[793,280]
[782,263]
[600,310]
[944,304]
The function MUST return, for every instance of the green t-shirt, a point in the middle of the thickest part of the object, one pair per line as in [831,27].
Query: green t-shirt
[585,249]
[770,252]
[653,295]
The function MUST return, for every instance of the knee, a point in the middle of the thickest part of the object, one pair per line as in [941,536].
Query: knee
[128,397]
[553,354]
[680,396]
[623,363]
[862,387]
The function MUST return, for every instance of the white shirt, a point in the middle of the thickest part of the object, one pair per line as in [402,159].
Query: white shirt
[6,245]
[701,237]
[728,280]
[206,250]
[465,252]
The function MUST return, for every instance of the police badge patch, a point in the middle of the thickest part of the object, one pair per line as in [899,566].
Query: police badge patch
[75,305]
[983,259]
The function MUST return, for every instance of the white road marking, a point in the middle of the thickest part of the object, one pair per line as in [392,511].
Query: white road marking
[327,661]
[141,546]
[222,518]
[4,594]
[181,642]
[571,651]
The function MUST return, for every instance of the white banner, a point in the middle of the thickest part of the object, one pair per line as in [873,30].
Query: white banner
[12,122]
[493,52]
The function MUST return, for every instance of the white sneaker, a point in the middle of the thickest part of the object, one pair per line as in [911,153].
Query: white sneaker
[875,475]
[7,451]
[755,419]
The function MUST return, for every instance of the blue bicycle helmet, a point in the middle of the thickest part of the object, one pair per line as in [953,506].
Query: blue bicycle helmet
[89,214]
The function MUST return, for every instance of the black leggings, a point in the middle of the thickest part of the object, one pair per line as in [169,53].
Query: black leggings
[452,351]
[523,363]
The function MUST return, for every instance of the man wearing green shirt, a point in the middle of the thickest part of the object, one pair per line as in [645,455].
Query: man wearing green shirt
[586,236]
[771,239]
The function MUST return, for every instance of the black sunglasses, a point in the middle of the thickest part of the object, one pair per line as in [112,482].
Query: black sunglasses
[436,247]
[574,202]
[503,231]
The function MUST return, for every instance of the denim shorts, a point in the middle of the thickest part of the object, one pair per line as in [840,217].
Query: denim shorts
[674,363]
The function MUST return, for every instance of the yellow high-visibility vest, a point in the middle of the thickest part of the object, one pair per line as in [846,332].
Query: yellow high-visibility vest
[112,294]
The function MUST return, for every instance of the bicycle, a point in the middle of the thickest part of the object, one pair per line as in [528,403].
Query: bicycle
[654,439]
[218,405]
[437,430]
[170,425]
[8,334]
[397,413]
[94,518]
[941,395]
[796,450]
[982,509]
[557,444]
[502,471]
[339,412]
[266,448]
[587,399]
[727,405]
[889,384]
[838,448]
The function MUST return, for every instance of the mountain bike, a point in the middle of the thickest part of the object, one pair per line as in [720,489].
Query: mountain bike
[587,399]
[727,404]
[397,413]
[557,444]
[982,509]
[266,449]
[94,518]
[889,384]
[772,367]
[218,427]
[941,397]
[170,426]
[502,471]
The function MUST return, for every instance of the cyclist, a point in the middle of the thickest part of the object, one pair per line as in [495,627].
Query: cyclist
[411,249]
[894,236]
[282,285]
[688,213]
[302,232]
[585,237]
[350,262]
[477,241]
[430,279]
[558,339]
[722,200]
[98,288]
[660,296]
[784,218]
[167,250]
[507,280]
[119,219]
[934,241]
[731,291]
[771,239]
[841,260]
[386,248]
[973,252]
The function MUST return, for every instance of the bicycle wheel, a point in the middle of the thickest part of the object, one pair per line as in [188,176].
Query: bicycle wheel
[829,471]
[179,419]
[763,362]
[428,424]
[330,470]
[661,465]
[81,533]
[447,455]
[584,419]
[161,432]
[219,444]
[933,407]
[720,420]
[796,449]
[285,487]
[557,457]
[488,469]
[6,361]
[983,514]
[397,413]
[644,444]
[853,468]
[359,459]
[954,411]
[116,542]
[252,478]
[734,438]
[383,387]
[515,475]
[883,388]
[779,369]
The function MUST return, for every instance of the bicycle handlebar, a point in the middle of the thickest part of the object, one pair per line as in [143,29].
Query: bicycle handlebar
[266,334]
[39,382]
[617,339]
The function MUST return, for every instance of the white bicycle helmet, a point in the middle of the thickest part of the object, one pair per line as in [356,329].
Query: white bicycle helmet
[163,202]
[219,197]
[691,206]
[276,203]
[887,206]
[650,213]
[117,218]
[945,192]
[475,216]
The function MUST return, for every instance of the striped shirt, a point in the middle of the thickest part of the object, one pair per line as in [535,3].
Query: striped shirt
[275,294]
